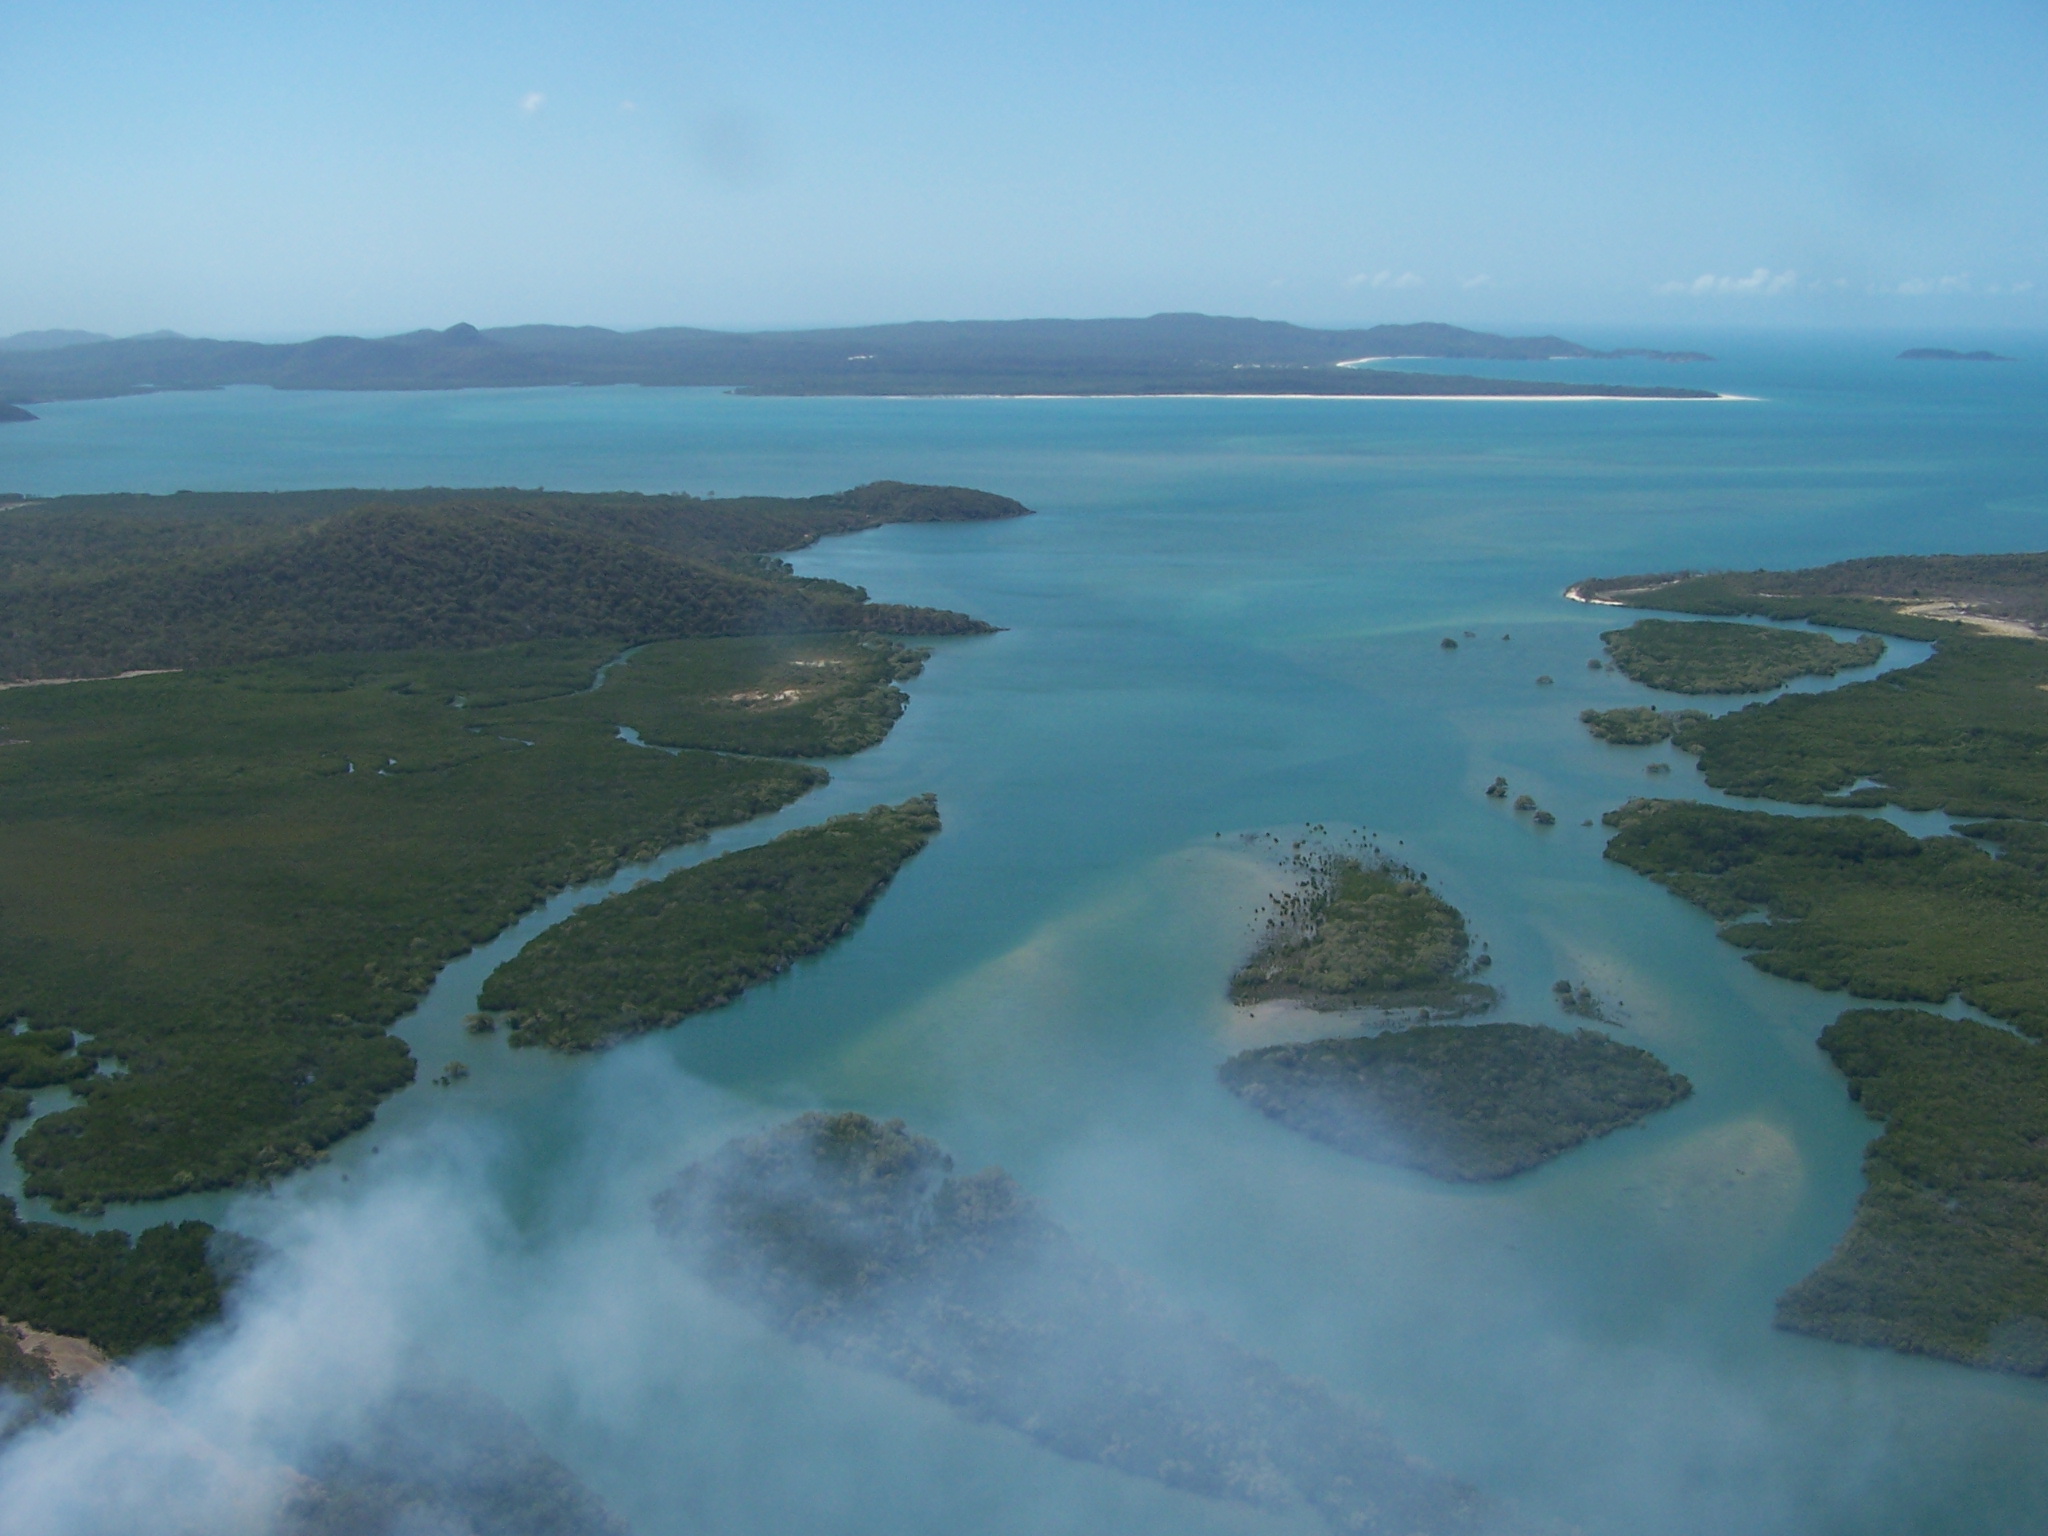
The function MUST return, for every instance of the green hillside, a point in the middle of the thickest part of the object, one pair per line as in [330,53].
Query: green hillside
[93,586]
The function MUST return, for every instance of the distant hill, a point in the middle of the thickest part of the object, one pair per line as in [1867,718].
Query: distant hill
[95,585]
[1944,355]
[1166,354]
[43,341]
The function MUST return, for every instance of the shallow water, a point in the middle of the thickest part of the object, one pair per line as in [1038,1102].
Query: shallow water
[1224,619]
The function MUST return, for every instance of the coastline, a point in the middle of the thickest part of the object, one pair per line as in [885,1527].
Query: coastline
[1220,395]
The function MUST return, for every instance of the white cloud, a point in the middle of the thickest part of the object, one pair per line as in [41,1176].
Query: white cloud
[1383,280]
[1481,281]
[532,102]
[1919,287]
[1762,281]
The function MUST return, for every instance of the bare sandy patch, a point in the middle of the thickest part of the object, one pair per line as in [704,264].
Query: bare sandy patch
[71,1358]
[112,677]
[1962,613]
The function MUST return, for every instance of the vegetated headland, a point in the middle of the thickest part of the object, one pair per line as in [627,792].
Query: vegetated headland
[704,935]
[1161,355]
[858,1237]
[1457,1101]
[1355,935]
[383,740]
[1948,1252]
[1705,657]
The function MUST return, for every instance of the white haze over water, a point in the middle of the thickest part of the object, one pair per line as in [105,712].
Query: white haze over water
[1224,619]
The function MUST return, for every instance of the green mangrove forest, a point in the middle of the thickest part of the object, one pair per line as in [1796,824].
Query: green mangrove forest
[1457,1101]
[1701,656]
[857,1237]
[1948,1255]
[1945,1256]
[1358,935]
[373,729]
[1640,725]
[1916,597]
[702,936]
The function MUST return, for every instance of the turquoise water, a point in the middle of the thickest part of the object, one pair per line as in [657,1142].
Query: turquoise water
[1224,620]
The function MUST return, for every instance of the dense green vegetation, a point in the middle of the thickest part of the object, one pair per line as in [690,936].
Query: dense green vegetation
[93,586]
[1640,725]
[776,696]
[857,1237]
[30,1391]
[442,1460]
[1849,903]
[1697,657]
[121,1293]
[1879,593]
[1356,936]
[1965,731]
[234,881]
[699,938]
[1948,1254]
[1161,354]
[1466,1102]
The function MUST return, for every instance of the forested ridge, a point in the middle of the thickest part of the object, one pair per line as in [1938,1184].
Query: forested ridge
[91,586]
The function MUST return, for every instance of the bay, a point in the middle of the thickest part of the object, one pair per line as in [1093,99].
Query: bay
[1224,620]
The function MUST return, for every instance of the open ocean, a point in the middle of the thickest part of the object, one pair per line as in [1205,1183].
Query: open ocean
[1224,620]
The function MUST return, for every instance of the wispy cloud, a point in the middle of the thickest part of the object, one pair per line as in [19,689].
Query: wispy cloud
[1383,280]
[1481,281]
[532,102]
[1762,281]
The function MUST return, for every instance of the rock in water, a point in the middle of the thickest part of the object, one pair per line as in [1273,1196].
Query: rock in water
[858,1237]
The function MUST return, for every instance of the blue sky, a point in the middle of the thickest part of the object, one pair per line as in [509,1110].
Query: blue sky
[286,169]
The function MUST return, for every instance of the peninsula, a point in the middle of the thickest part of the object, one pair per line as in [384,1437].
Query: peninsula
[1160,355]
[1708,657]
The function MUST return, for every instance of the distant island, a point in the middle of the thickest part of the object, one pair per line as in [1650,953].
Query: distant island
[1161,355]
[1458,1101]
[1945,355]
